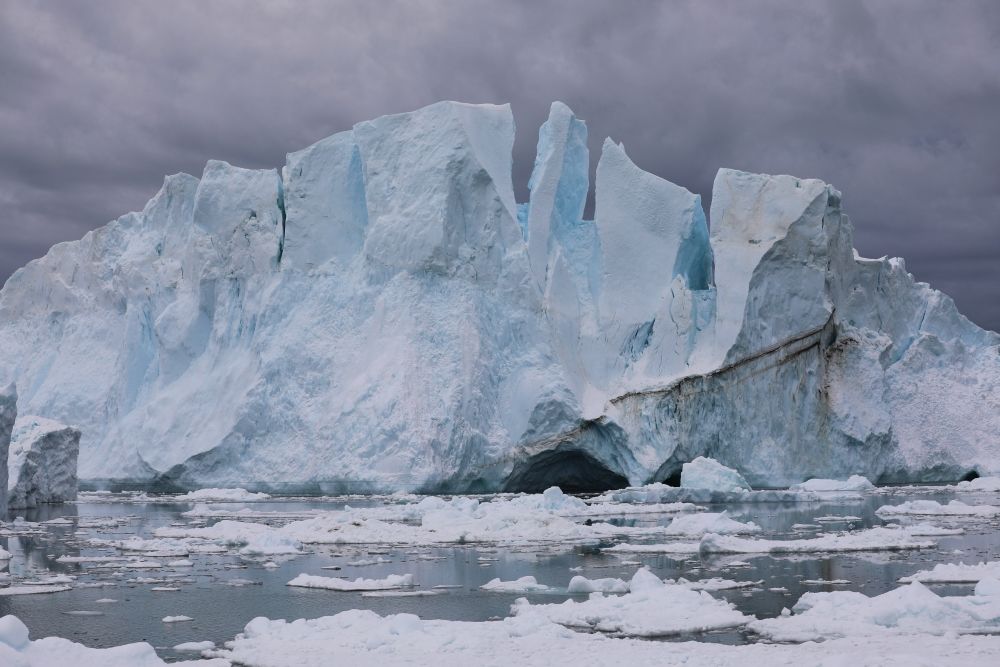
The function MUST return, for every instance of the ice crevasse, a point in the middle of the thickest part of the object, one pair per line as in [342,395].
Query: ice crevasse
[381,314]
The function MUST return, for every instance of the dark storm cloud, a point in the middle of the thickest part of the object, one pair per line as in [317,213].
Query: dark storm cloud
[896,103]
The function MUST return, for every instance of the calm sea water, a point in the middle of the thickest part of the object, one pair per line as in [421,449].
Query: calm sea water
[218,595]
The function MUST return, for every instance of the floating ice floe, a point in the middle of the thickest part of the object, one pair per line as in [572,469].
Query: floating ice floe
[91,559]
[217,496]
[359,584]
[716,584]
[32,590]
[873,539]
[369,561]
[520,519]
[18,650]
[251,538]
[176,619]
[852,483]
[911,609]
[696,525]
[957,573]
[526,584]
[361,637]
[663,548]
[651,608]
[987,484]
[400,594]
[955,508]
[927,530]
[195,647]
[665,494]
[51,580]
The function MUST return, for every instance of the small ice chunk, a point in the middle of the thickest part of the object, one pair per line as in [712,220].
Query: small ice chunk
[359,584]
[526,584]
[195,646]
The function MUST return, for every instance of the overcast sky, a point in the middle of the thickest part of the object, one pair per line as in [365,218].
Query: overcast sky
[895,103]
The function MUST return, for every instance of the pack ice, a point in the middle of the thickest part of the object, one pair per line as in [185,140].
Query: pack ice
[382,314]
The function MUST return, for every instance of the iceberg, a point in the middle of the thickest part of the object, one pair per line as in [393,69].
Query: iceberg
[382,314]
[42,462]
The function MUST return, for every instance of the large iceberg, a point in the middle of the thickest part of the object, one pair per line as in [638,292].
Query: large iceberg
[42,462]
[382,314]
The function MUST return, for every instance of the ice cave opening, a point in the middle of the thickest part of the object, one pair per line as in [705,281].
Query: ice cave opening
[572,471]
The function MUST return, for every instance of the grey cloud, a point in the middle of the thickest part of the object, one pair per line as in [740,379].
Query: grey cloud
[894,102]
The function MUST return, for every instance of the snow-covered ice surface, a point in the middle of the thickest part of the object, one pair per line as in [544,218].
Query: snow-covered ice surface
[874,539]
[42,462]
[910,609]
[985,484]
[362,637]
[381,314]
[852,483]
[651,608]
[359,584]
[221,496]
[526,584]
[946,573]
[18,650]
[955,508]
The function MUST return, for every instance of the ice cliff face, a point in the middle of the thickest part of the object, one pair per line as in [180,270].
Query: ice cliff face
[382,314]
[8,413]
[42,463]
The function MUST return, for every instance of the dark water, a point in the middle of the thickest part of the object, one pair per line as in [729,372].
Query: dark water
[220,610]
